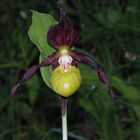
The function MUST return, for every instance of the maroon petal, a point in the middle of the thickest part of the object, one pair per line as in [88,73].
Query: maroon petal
[82,58]
[101,74]
[31,71]
[111,93]
[62,33]
[15,89]
[103,77]
[55,64]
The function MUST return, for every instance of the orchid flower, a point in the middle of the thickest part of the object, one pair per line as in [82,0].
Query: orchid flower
[64,60]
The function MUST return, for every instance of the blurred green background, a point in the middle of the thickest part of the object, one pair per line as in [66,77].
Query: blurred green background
[110,31]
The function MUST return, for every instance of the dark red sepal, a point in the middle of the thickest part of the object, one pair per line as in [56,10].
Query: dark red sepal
[62,34]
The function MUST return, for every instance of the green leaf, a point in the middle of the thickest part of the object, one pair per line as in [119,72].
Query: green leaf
[22,109]
[46,72]
[129,92]
[113,16]
[38,30]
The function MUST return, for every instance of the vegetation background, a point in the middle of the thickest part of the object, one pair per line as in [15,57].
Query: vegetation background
[110,34]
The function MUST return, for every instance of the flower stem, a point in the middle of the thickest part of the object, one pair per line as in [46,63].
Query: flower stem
[63,103]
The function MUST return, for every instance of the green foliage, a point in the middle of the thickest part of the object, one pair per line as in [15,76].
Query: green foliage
[107,115]
[113,27]
[38,35]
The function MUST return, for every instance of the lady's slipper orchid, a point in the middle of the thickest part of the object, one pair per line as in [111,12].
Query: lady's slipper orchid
[64,61]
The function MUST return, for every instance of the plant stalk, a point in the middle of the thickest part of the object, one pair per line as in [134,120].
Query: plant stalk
[63,103]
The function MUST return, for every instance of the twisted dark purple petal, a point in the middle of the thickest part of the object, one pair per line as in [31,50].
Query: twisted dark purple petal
[103,77]
[111,93]
[15,89]
[62,33]
[31,71]
[55,64]
[101,74]
[82,58]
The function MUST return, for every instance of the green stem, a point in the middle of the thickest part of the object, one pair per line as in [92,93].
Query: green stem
[64,118]
[64,126]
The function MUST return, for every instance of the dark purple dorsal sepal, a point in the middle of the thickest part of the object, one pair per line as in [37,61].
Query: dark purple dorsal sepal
[63,33]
